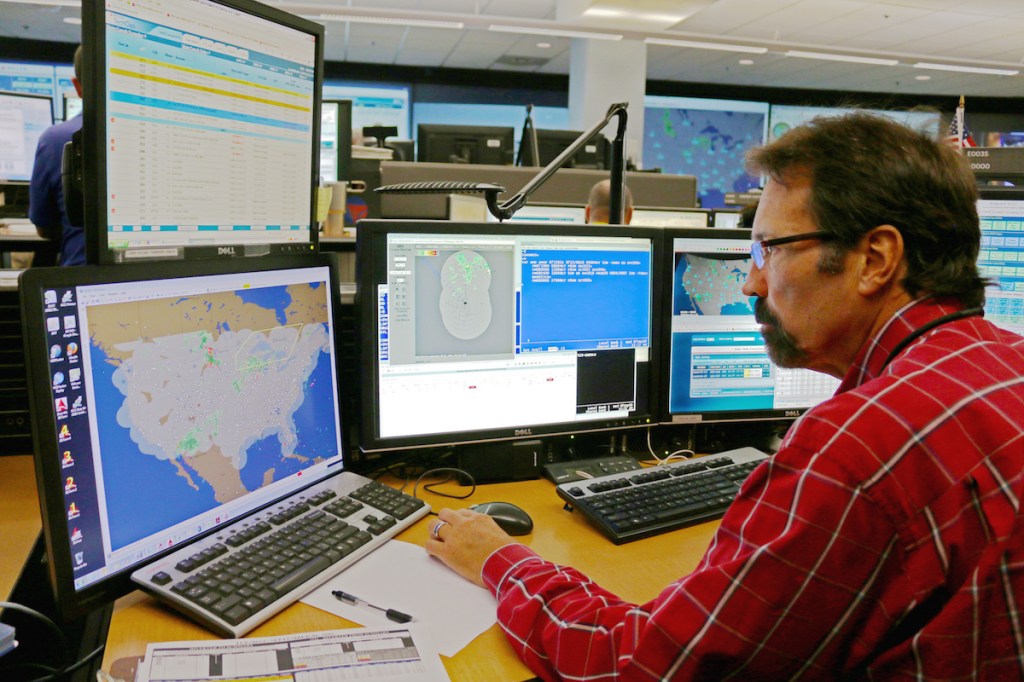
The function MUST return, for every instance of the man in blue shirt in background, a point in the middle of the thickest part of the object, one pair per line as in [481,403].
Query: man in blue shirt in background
[46,195]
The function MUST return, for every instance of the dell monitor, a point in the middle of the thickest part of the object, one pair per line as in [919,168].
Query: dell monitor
[1001,258]
[595,154]
[442,143]
[169,398]
[672,217]
[23,118]
[335,140]
[496,332]
[718,368]
[201,129]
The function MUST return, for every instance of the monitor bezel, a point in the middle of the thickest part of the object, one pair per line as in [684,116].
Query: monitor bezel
[371,255]
[697,417]
[426,131]
[94,116]
[72,603]
[550,137]
[28,96]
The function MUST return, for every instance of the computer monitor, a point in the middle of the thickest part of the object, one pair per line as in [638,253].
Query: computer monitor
[23,118]
[442,143]
[671,217]
[725,217]
[169,398]
[547,213]
[201,129]
[493,332]
[1001,259]
[595,154]
[335,140]
[72,106]
[718,368]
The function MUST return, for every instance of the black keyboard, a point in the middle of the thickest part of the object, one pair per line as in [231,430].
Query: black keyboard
[633,505]
[236,578]
[579,469]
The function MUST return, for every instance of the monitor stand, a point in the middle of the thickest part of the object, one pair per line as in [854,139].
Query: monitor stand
[37,644]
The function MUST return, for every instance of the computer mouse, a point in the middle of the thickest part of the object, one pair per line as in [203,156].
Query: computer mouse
[508,516]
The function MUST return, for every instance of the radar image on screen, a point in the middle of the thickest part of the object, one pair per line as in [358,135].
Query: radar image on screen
[218,395]
[710,286]
[465,294]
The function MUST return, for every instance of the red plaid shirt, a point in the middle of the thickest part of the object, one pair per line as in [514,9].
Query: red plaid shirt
[883,541]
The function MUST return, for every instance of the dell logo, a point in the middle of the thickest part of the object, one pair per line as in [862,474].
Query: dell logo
[523,432]
[225,251]
[792,413]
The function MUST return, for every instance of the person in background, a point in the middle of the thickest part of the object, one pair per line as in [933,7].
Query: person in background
[599,203]
[885,539]
[46,194]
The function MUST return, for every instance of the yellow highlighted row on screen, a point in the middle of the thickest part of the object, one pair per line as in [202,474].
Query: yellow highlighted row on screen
[216,91]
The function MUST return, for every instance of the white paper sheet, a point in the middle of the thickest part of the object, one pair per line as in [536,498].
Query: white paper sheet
[403,576]
[396,654]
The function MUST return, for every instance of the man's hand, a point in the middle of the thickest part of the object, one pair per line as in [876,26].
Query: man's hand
[463,540]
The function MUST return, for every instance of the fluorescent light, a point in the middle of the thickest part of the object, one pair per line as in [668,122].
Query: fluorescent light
[856,59]
[559,32]
[75,21]
[700,45]
[399,21]
[966,69]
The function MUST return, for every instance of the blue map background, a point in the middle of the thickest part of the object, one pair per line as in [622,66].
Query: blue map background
[709,144]
[145,494]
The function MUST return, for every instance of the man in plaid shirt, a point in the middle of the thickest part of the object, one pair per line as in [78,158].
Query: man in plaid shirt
[884,540]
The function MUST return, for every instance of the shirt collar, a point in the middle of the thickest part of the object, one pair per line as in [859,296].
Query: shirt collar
[871,360]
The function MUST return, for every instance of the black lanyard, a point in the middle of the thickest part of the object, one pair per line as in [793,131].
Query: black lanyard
[925,328]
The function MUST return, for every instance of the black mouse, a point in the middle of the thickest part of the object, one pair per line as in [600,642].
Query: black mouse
[509,517]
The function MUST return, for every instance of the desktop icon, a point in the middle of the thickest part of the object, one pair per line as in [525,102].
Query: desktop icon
[50,297]
[65,434]
[73,512]
[53,324]
[67,299]
[61,405]
[76,536]
[77,405]
[72,349]
[69,485]
[67,461]
[70,323]
[58,379]
[79,558]
[56,352]
[75,375]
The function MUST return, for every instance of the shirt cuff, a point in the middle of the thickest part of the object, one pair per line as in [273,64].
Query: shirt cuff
[503,562]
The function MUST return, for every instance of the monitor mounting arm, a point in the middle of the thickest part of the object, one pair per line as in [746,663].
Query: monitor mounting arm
[505,210]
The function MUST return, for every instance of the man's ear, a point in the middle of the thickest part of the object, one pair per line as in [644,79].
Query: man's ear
[883,266]
[586,214]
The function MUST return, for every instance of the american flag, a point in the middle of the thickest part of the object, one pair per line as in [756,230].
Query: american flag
[959,136]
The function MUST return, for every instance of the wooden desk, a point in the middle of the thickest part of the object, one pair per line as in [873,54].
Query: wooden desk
[19,517]
[636,571]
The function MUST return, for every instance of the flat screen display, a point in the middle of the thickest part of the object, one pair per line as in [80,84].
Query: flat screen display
[23,118]
[1001,258]
[496,332]
[719,369]
[205,139]
[170,398]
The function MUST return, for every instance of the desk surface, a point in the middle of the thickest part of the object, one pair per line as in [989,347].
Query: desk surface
[19,517]
[636,571]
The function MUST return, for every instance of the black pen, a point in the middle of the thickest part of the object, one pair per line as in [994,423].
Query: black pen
[392,614]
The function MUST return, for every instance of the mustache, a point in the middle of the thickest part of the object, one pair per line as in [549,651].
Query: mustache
[763,315]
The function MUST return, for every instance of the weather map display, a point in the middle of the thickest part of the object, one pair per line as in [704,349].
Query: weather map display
[719,364]
[198,399]
[706,138]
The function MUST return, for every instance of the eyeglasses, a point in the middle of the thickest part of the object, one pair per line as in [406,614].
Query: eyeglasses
[760,251]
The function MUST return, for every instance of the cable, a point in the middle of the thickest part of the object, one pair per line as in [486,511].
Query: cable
[657,460]
[65,648]
[452,471]
[67,670]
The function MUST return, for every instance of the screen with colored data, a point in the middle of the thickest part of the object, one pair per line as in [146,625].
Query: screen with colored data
[209,129]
